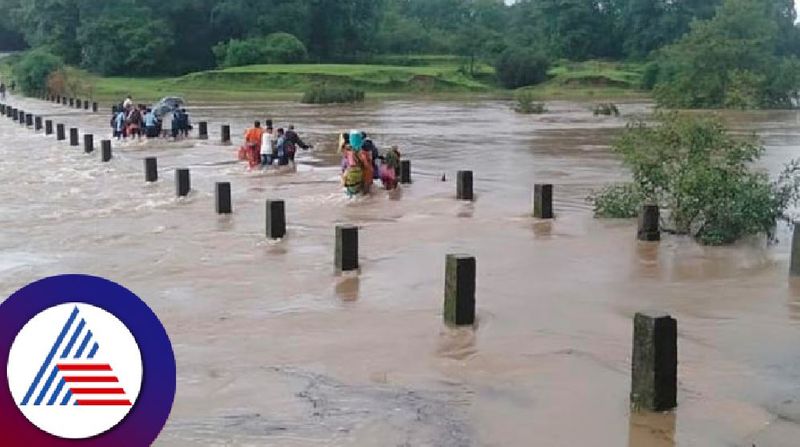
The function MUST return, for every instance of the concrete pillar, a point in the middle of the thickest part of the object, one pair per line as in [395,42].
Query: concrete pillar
[543,201]
[222,195]
[182,182]
[346,253]
[276,219]
[459,290]
[94,107]
[78,103]
[654,375]
[37,126]
[86,105]
[29,119]
[150,169]
[60,135]
[649,224]
[794,269]
[71,102]
[88,143]
[202,130]
[14,114]
[464,186]
[48,127]
[405,172]
[2,109]
[73,137]
[105,151]
[21,117]
[225,131]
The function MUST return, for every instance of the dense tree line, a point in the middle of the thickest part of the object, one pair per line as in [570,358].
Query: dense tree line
[149,36]
[703,53]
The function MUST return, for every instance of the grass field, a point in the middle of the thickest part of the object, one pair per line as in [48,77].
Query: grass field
[409,76]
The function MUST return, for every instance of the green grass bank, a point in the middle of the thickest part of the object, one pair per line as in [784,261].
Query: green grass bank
[390,77]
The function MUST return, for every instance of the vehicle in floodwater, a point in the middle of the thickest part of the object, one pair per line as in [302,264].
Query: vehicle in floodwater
[167,105]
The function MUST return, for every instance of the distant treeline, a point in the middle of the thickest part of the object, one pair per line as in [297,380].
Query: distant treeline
[745,45]
[176,36]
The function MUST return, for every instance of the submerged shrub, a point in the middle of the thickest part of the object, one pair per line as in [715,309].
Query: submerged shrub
[606,108]
[525,104]
[702,176]
[621,201]
[326,94]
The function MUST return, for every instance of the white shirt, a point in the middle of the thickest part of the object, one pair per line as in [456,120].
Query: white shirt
[267,143]
[127,103]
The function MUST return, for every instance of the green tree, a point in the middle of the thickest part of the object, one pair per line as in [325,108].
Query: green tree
[32,71]
[278,48]
[702,176]
[519,67]
[124,39]
[729,60]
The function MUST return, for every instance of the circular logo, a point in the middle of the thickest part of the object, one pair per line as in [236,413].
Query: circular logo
[87,363]
[96,384]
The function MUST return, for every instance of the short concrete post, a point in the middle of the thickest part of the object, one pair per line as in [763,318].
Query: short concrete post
[459,290]
[346,248]
[21,117]
[649,224]
[88,143]
[94,107]
[794,269]
[78,103]
[48,127]
[222,195]
[14,114]
[86,105]
[182,182]
[654,375]
[60,134]
[276,219]
[464,186]
[543,201]
[71,102]
[73,137]
[37,123]
[105,151]
[151,169]
[2,109]
[225,130]
[64,100]
[29,119]
[405,172]
[202,130]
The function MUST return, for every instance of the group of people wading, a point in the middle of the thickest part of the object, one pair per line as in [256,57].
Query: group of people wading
[263,146]
[362,162]
[135,121]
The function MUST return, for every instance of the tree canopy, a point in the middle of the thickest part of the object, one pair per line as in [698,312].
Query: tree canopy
[709,52]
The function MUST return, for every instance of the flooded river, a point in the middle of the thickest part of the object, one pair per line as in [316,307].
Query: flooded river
[275,349]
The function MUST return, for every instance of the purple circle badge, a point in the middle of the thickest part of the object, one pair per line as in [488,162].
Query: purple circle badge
[88,363]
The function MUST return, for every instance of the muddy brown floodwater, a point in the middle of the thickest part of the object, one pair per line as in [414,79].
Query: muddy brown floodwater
[275,349]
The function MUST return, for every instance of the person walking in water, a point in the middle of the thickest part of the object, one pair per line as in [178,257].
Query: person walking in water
[252,144]
[268,145]
[293,141]
[3,91]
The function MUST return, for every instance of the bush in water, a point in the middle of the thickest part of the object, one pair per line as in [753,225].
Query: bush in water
[621,201]
[702,177]
[526,104]
[325,94]
[33,70]
[607,108]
